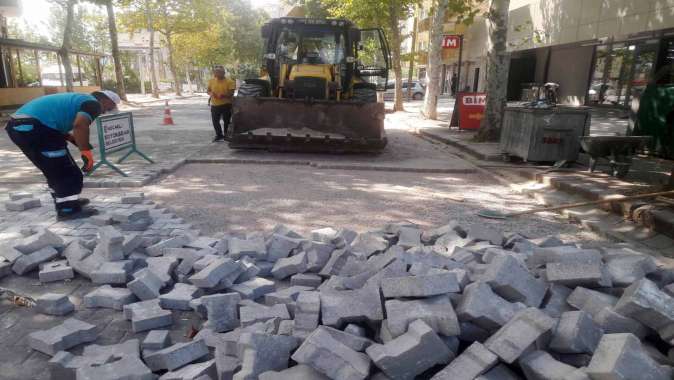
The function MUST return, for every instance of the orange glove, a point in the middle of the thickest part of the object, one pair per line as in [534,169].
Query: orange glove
[88,160]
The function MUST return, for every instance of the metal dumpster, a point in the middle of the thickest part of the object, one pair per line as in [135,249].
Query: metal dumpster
[544,134]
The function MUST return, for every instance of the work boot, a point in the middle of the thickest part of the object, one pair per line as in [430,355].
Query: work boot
[218,138]
[72,210]
[83,201]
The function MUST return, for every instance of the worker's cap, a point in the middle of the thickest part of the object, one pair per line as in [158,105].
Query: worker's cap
[112,96]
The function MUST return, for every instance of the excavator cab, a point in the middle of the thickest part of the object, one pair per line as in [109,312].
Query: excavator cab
[320,91]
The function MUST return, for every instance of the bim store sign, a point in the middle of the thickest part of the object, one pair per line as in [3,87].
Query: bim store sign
[451,42]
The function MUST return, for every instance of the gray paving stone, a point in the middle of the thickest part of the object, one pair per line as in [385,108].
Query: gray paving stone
[129,347]
[285,296]
[55,271]
[626,268]
[288,266]
[420,286]
[261,352]
[369,243]
[129,215]
[342,307]
[481,306]
[614,323]
[578,273]
[255,313]
[541,365]
[176,356]
[354,342]
[193,372]
[437,312]
[54,304]
[110,244]
[500,372]
[511,340]
[410,354]
[108,297]
[22,204]
[132,198]
[297,372]
[254,288]
[216,271]
[250,270]
[147,315]
[221,310]
[554,303]
[591,301]
[179,297]
[254,248]
[29,262]
[279,246]
[481,232]
[576,333]
[513,282]
[112,272]
[473,362]
[156,340]
[68,334]
[9,253]
[646,303]
[174,242]
[63,365]
[327,355]
[621,356]
[146,285]
[126,368]
[307,313]
[82,260]
[5,268]
[354,329]
[17,195]
[409,237]
[163,267]
[226,366]
[429,237]
[543,256]
[337,261]
[318,255]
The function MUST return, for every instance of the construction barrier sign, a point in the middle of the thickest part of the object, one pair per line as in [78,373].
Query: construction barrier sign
[468,110]
[116,134]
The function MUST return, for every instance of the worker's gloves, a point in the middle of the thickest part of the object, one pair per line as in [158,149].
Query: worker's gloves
[88,160]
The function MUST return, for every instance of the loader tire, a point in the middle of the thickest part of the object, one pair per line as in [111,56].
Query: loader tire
[251,90]
[365,95]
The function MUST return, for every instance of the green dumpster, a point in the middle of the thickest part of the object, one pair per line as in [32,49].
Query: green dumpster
[656,118]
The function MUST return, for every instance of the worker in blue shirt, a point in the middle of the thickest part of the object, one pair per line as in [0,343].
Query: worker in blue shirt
[42,128]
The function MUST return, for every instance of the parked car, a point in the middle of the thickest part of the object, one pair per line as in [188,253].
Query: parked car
[418,90]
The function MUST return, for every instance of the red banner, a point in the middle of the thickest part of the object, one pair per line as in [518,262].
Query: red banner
[471,109]
[451,42]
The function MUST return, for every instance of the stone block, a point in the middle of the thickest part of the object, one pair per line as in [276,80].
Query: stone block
[193,372]
[511,340]
[54,304]
[108,297]
[325,235]
[306,279]
[285,296]
[215,272]
[354,329]
[42,238]
[336,263]
[64,365]
[179,297]
[307,312]
[541,365]
[55,271]
[621,356]
[23,204]
[82,260]
[261,352]
[112,272]
[9,253]
[255,313]
[561,254]
[330,357]
[576,333]
[614,323]
[5,268]
[410,354]
[174,242]
[146,285]
[409,237]
[298,372]
[129,215]
[68,334]
[286,267]
[481,306]
[280,246]
[254,288]
[163,267]
[369,243]
[156,340]
[437,312]
[626,268]
[473,362]
[578,273]
[139,225]
[250,270]
[125,367]
[17,195]
[176,356]
[554,303]
[481,232]
[221,310]
[110,244]
[646,303]
[147,315]
[513,282]
[132,198]
[31,261]
[429,237]
[342,307]
[591,301]
[354,342]
[420,286]
[127,348]
[254,248]
[226,366]
[500,372]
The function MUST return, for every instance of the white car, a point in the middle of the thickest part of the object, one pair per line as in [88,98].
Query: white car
[418,90]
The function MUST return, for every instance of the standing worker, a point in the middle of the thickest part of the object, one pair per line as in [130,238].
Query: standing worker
[221,90]
[42,127]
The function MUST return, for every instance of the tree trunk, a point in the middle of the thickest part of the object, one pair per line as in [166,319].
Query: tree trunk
[430,108]
[497,74]
[64,52]
[410,72]
[153,69]
[394,21]
[670,184]
[189,80]
[112,27]
[174,69]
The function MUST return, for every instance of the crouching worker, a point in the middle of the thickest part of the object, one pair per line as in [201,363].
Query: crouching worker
[42,128]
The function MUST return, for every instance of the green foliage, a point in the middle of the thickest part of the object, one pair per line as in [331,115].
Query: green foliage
[311,8]
[89,31]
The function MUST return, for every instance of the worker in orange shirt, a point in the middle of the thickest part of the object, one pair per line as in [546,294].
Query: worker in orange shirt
[221,91]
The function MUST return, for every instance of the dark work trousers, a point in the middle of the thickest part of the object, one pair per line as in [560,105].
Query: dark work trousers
[46,149]
[223,112]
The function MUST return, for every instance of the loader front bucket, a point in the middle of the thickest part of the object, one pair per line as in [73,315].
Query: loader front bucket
[312,125]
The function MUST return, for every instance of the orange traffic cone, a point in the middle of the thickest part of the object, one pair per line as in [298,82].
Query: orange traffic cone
[168,119]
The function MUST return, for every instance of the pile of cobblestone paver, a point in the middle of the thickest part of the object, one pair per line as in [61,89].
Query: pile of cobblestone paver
[455,302]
